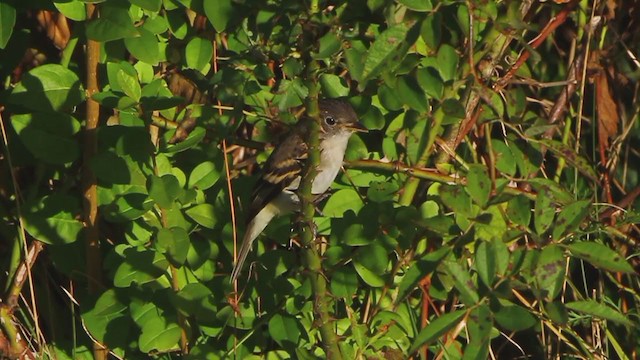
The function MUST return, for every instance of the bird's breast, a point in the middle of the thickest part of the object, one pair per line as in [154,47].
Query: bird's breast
[331,158]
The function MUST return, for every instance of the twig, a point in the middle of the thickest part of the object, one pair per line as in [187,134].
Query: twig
[23,273]
[560,106]
[537,41]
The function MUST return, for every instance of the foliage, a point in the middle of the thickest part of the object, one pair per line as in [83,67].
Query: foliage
[478,216]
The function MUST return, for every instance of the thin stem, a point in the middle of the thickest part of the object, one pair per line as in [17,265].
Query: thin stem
[89,183]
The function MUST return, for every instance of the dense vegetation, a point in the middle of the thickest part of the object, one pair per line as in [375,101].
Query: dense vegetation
[489,212]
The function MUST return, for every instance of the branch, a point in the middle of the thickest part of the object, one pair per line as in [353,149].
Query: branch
[313,260]
[425,174]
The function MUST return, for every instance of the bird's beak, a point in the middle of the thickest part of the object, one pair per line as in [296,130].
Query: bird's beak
[357,127]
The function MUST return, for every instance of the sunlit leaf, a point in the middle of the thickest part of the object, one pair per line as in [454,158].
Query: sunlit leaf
[436,328]
[599,310]
[600,256]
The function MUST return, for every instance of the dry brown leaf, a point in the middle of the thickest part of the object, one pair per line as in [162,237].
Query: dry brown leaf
[611,9]
[56,26]
[182,86]
[608,116]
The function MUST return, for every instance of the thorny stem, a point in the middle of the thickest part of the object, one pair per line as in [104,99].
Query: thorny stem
[313,259]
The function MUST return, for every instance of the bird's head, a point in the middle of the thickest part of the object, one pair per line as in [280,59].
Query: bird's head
[338,116]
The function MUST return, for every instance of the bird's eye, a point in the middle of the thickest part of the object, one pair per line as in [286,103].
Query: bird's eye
[329,120]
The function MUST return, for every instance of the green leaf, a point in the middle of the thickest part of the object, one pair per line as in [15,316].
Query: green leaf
[462,281]
[344,282]
[291,93]
[139,267]
[353,234]
[129,85]
[505,162]
[128,207]
[545,211]
[368,276]
[74,9]
[355,62]
[48,88]
[204,175]
[453,109]
[164,190]
[144,47]
[284,329]
[219,12]
[600,256]
[570,217]
[114,23]
[417,5]
[383,49]
[156,96]
[373,257]
[599,310]
[430,81]
[7,21]
[436,328]
[569,154]
[329,45]
[486,262]
[550,271]
[198,54]
[143,312]
[527,157]
[519,210]
[419,270]
[175,243]
[513,317]
[195,299]
[203,214]
[479,326]
[490,224]
[52,219]
[447,62]
[380,191]
[48,136]
[192,140]
[160,335]
[455,198]
[342,201]
[412,94]
[431,30]
[107,312]
[151,5]
[333,86]
[199,252]
[110,168]
[389,98]
[478,184]
[373,119]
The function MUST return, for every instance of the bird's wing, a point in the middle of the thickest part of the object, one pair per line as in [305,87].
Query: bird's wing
[281,169]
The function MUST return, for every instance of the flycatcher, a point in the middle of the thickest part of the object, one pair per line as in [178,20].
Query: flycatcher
[275,191]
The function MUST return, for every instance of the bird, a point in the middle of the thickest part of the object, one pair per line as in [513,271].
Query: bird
[275,191]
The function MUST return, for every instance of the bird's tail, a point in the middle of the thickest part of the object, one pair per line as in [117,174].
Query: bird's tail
[254,228]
